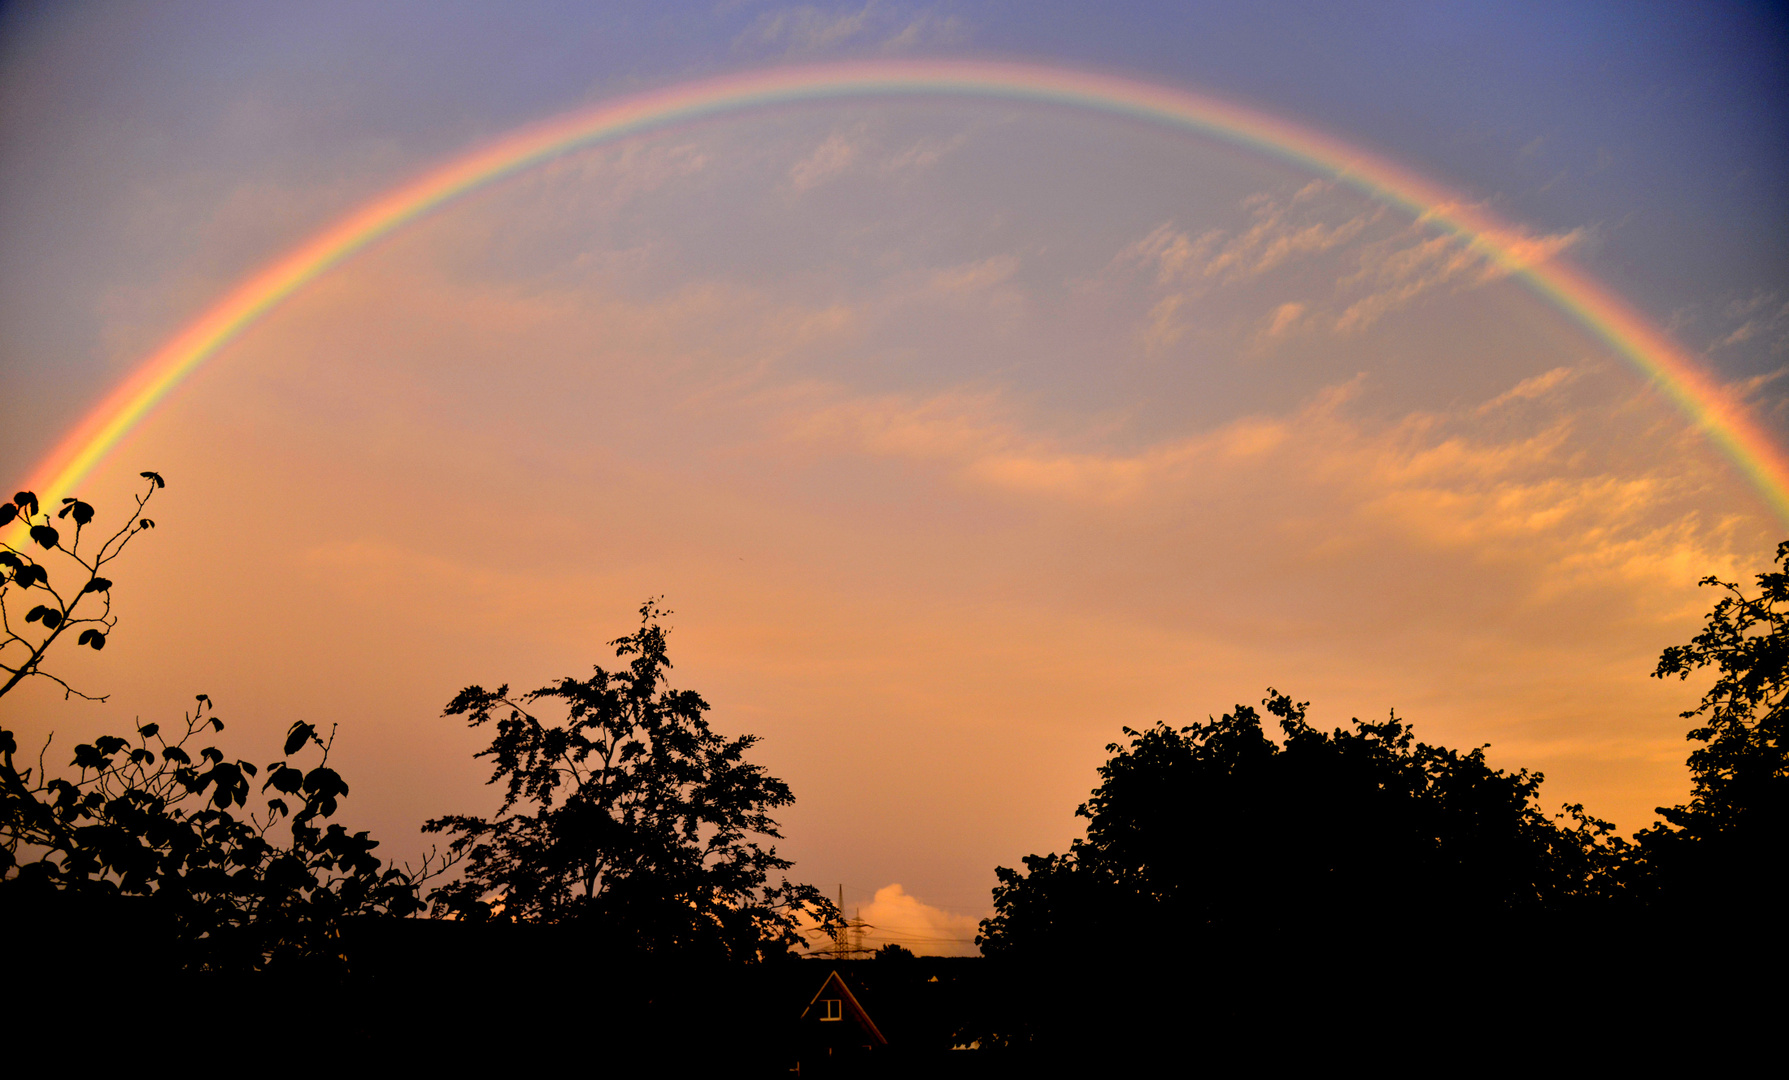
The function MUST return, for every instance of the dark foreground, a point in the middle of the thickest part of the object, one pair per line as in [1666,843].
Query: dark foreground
[416,995]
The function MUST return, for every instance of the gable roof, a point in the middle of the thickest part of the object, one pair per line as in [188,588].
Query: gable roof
[851,1006]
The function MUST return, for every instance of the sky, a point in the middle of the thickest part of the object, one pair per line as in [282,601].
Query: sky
[958,434]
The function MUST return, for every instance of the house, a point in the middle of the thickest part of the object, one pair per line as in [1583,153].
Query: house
[835,1029]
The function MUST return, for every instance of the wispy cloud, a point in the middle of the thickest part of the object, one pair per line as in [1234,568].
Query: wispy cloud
[1531,388]
[1762,317]
[1273,238]
[1452,480]
[832,157]
[1396,271]
[1285,319]
[859,150]
[1389,269]
[806,29]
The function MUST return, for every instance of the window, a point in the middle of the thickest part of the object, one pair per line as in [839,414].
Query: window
[830,1010]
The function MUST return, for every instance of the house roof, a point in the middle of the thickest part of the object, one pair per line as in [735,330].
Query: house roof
[835,987]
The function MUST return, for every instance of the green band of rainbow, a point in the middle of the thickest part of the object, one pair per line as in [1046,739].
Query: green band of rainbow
[1708,406]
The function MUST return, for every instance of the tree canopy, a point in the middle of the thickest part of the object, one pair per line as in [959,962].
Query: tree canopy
[631,817]
[1728,844]
[1217,827]
[155,821]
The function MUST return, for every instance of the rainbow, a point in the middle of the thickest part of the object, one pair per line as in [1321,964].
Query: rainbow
[1709,407]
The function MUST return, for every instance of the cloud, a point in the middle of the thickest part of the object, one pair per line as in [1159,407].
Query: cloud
[1396,271]
[806,29]
[1272,239]
[1163,327]
[1284,320]
[1761,318]
[829,159]
[1452,480]
[975,277]
[923,154]
[977,436]
[841,153]
[1278,235]
[898,918]
[1174,254]
[1531,388]
[1388,272]
[928,28]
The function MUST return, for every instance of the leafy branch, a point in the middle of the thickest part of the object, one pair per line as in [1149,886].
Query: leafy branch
[24,577]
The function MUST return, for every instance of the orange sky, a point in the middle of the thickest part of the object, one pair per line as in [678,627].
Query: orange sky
[956,437]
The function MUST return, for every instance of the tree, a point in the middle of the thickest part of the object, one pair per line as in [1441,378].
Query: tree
[1216,827]
[1258,885]
[155,830]
[1726,847]
[631,818]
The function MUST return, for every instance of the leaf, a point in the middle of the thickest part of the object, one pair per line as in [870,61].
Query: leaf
[299,734]
[26,501]
[7,513]
[148,731]
[45,535]
[52,618]
[98,584]
[32,575]
[99,641]
[155,476]
[284,778]
[145,524]
[36,613]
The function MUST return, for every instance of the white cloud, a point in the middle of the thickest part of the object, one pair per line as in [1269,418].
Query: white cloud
[898,918]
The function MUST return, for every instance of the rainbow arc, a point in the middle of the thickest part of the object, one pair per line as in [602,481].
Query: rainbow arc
[1707,405]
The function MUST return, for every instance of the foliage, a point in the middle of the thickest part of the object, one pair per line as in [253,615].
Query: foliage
[632,818]
[1216,828]
[152,819]
[25,577]
[163,825]
[1730,837]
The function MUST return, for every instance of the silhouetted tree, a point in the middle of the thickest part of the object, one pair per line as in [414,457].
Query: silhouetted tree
[1226,877]
[1216,829]
[1726,848]
[158,824]
[632,818]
